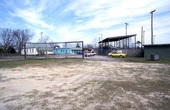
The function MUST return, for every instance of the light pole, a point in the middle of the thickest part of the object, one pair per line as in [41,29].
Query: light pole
[41,36]
[126,40]
[152,26]
[126,27]
[101,47]
[100,38]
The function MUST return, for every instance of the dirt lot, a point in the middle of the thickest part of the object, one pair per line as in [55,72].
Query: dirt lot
[87,85]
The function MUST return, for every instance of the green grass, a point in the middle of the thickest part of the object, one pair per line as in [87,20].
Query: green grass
[144,60]
[40,62]
[61,61]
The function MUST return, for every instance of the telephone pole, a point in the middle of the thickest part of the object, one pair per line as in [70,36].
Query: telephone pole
[152,26]
[41,36]
[126,27]
[101,46]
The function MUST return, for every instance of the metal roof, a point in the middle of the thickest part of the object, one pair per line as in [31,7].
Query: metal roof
[37,45]
[117,38]
[41,46]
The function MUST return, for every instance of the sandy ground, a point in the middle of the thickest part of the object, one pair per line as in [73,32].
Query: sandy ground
[90,85]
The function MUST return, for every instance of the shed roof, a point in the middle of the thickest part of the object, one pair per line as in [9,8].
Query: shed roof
[33,45]
[117,38]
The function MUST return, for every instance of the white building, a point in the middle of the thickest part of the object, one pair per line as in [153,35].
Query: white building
[35,49]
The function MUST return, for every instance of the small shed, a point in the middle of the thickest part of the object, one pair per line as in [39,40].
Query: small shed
[163,50]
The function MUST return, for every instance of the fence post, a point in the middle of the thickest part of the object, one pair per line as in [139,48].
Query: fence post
[25,54]
[65,49]
[82,50]
[46,49]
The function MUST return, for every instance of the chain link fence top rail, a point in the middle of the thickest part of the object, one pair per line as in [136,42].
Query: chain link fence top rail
[72,49]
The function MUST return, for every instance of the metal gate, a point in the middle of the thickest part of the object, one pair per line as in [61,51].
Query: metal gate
[72,49]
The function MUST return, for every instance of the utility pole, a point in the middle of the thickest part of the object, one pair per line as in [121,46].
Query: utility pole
[41,36]
[152,26]
[101,47]
[142,36]
[100,38]
[126,27]
[126,40]
[154,37]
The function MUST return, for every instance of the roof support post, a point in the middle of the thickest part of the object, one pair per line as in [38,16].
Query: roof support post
[46,49]
[123,43]
[128,42]
[135,42]
[102,48]
[108,44]
[82,49]
[114,44]
[119,43]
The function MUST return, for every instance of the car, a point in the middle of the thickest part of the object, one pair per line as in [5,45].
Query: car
[93,53]
[88,54]
[117,54]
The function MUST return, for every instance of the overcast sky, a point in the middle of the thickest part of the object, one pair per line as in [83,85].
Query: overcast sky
[74,20]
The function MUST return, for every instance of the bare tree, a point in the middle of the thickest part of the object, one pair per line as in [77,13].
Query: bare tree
[91,46]
[26,35]
[78,45]
[95,42]
[7,38]
[18,39]
[21,37]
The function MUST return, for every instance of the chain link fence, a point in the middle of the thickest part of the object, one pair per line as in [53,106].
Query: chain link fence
[54,50]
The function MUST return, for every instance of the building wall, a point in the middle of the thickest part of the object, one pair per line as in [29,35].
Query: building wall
[163,51]
[62,51]
[30,51]
[133,52]
[77,50]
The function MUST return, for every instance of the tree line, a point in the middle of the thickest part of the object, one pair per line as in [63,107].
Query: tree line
[14,38]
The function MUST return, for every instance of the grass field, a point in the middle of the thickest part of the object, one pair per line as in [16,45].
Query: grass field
[77,84]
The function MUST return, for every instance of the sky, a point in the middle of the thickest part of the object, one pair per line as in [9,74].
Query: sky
[87,20]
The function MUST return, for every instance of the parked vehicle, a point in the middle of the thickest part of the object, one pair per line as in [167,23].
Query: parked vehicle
[117,54]
[88,54]
[93,53]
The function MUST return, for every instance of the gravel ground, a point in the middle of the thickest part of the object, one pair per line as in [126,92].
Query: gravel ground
[89,85]
[105,58]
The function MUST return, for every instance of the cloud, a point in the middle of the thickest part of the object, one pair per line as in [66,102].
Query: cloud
[99,15]
[67,33]
[108,17]
[32,17]
[31,12]
[84,20]
[107,13]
